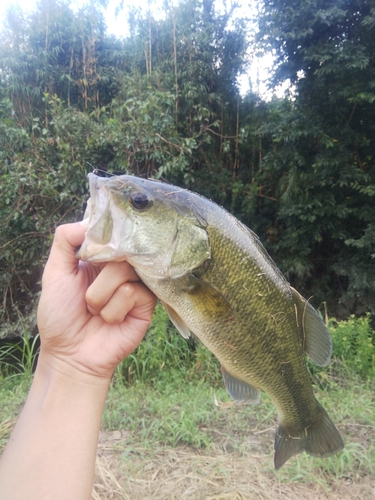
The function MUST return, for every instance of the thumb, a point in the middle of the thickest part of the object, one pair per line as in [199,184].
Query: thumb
[62,259]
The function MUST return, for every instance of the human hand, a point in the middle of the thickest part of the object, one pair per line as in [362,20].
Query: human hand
[89,317]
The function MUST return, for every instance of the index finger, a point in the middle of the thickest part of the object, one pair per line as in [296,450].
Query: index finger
[62,258]
[110,278]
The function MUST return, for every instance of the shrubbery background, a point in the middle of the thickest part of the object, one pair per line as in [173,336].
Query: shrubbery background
[165,102]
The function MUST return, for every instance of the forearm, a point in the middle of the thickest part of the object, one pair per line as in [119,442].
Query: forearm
[52,450]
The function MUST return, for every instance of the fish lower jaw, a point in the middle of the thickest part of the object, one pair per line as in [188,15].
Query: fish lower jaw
[149,270]
[94,252]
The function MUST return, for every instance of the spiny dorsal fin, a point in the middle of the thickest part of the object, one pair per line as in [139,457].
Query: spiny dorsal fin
[239,390]
[316,337]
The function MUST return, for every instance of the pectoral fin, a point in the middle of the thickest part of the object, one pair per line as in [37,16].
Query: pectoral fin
[210,303]
[239,390]
[316,337]
[177,321]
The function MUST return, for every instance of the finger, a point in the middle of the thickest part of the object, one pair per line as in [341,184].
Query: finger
[111,277]
[62,258]
[129,297]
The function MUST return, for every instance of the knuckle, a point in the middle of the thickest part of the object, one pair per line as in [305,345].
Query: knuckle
[111,318]
[126,290]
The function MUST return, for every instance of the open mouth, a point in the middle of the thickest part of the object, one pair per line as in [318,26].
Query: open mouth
[108,225]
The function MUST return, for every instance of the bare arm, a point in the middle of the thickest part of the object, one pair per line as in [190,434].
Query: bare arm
[89,320]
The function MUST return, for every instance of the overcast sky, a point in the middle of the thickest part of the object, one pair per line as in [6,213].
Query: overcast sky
[115,25]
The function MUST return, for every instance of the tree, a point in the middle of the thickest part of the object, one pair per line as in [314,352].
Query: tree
[162,102]
[322,153]
[57,52]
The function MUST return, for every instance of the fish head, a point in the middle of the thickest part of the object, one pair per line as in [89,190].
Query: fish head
[157,228]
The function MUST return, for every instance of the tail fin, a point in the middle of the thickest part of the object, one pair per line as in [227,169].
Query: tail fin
[320,439]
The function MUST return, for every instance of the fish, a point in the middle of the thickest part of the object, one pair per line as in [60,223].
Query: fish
[216,280]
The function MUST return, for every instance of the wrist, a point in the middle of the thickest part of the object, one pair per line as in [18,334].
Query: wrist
[53,445]
[66,371]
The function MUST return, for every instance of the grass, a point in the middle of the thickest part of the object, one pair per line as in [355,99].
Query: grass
[13,392]
[19,356]
[180,422]
[169,416]
[161,405]
[184,413]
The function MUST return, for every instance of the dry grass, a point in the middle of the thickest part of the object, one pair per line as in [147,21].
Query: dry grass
[185,473]
[6,427]
[163,473]
[237,465]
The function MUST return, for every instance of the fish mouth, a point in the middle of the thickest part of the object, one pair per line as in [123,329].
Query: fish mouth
[108,226]
[111,232]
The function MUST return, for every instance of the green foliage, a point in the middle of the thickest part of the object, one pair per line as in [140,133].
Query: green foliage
[141,130]
[305,468]
[320,166]
[172,412]
[57,51]
[72,97]
[164,102]
[20,356]
[163,352]
[354,343]
[166,411]
[13,392]
[35,197]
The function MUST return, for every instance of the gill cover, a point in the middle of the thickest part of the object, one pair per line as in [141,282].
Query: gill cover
[191,248]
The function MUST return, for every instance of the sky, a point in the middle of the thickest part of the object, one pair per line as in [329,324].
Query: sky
[117,25]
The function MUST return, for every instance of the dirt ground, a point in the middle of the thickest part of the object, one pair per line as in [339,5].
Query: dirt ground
[218,474]
[225,471]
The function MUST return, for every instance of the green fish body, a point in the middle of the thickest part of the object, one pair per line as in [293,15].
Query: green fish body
[215,279]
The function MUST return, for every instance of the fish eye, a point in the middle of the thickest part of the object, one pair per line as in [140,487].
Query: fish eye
[139,200]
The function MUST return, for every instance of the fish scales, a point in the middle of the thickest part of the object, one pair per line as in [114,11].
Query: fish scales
[262,299]
[216,280]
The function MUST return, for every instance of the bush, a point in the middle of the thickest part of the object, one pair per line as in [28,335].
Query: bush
[164,351]
[354,343]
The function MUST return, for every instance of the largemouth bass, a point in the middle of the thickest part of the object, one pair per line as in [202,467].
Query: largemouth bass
[215,279]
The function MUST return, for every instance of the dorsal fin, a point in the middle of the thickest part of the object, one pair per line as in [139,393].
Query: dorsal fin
[317,340]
